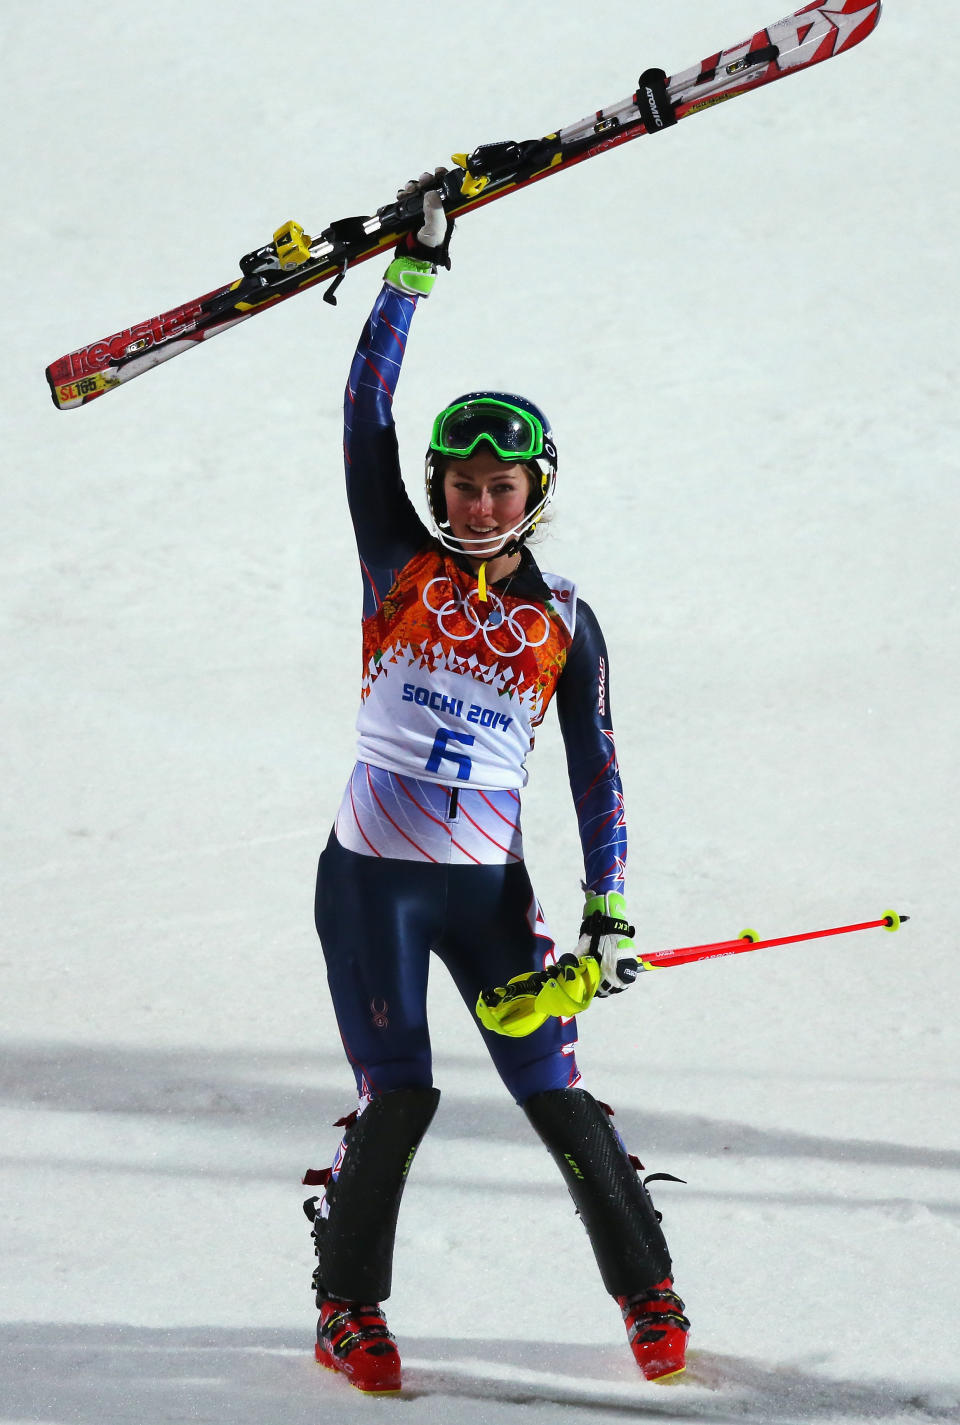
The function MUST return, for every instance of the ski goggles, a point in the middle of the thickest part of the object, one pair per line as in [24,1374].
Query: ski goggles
[514,434]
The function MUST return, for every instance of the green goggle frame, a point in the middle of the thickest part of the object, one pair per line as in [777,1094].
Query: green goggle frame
[514,434]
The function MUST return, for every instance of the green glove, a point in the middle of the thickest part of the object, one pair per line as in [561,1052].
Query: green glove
[417,256]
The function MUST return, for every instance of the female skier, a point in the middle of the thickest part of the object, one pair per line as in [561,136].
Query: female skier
[465,642]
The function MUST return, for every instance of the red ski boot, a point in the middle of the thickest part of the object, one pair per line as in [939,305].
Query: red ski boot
[657,1330]
[354,1339]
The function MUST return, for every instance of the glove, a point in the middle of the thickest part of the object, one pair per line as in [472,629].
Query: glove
[605,963]
[607,936]
[527,1001]
[418,255]
[511,1009]
[569,985]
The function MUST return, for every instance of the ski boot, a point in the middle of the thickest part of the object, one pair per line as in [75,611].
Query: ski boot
[657,1330]
[354,1339]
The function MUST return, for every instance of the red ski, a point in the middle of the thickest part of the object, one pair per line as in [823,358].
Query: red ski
[293,261]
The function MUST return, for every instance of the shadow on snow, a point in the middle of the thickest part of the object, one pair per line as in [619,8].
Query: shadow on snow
[126,1375]
[290,1094]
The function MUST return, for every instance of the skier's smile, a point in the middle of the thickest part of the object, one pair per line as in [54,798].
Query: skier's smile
[485,496]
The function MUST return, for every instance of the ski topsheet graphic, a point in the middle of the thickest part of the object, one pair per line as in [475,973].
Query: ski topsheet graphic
[294,261]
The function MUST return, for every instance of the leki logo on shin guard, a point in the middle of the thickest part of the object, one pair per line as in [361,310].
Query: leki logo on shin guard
[574,1166]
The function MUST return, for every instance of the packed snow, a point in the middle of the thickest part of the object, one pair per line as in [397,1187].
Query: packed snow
[745,333]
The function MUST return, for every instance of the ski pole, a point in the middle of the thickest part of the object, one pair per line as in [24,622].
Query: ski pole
[750,940]
[527,1001]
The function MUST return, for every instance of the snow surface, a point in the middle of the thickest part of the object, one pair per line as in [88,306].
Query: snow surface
[746,335]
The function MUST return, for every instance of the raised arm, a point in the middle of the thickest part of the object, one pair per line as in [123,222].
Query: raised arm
[388,529]
[386,525]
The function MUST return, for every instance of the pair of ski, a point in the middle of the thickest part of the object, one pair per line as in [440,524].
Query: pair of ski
[293,261]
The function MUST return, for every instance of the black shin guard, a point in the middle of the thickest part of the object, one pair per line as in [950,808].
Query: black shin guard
[609,1195]
[355,1241]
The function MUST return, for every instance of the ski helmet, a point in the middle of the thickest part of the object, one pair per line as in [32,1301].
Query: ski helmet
[518,433]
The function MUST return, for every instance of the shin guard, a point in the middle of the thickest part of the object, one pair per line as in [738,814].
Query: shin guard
[355,1240]
[607,1191]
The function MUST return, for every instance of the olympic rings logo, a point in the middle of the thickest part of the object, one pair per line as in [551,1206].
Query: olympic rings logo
[461,608]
